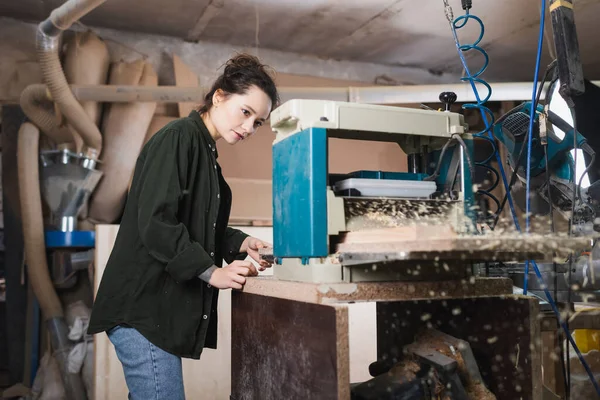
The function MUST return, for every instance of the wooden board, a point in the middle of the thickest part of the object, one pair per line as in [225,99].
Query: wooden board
[467,247]
[503,333]
[284,349]
[184,77]
[399,234]
[375,291]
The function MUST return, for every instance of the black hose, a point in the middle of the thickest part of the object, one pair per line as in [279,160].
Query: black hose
[466,149]
[436,173]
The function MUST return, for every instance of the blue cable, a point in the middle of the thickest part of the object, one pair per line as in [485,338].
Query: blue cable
[530,133]
[485,112]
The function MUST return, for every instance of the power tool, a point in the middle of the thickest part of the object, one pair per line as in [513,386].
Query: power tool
[511,130]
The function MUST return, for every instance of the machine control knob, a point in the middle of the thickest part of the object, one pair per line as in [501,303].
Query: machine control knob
[448,98]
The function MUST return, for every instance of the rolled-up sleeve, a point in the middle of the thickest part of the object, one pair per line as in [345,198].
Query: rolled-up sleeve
[161,185]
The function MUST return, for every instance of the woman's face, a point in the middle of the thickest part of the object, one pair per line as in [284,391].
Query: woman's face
[237,116]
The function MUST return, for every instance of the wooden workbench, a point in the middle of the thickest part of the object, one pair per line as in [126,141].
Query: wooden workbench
[290,339]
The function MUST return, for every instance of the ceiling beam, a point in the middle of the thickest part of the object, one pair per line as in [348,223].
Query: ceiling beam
[213,9]
[369,27]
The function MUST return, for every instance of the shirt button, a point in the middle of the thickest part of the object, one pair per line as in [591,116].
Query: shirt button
[208,285]
[212,253]
[218,196]
[205,317]
[214,224]
[215,167]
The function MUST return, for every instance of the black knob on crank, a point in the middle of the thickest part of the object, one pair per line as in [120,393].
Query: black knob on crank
[448,98]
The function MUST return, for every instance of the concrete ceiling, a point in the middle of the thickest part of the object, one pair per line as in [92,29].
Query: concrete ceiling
[391,32]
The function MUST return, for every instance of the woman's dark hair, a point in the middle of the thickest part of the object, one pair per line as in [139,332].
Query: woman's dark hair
[241,72]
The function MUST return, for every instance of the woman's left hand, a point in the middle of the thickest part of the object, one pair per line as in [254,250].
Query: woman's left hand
[251,245]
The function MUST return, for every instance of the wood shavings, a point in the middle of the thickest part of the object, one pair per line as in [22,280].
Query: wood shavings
[376,213]
[434,241]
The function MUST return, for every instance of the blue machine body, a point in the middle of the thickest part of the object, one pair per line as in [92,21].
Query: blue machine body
[300,181]
[300,195]
[512,129]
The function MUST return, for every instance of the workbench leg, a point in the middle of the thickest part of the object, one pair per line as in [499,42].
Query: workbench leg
[284,349]
[552,370]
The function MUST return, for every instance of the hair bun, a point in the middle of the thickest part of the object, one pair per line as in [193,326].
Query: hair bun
[240,73]
[241,62]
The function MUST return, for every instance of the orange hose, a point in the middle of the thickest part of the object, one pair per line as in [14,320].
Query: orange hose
[47,44]
[33,224]
[38,108]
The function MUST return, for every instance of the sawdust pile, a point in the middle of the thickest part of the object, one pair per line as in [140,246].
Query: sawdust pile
[405,371]
[478,391]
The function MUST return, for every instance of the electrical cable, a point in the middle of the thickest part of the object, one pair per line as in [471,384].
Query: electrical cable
[436,173]
[549,69]
[486,113]
[549,192]
[460,140]
[532,112]
[549,90]
[496,178]
[585,172]
[462,143]
[513,177]
[487,191]
[573,200]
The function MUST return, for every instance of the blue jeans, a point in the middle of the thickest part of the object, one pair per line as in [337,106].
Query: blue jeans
[150,373]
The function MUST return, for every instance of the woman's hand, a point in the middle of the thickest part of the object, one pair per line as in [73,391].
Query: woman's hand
[233,276]
[251,245]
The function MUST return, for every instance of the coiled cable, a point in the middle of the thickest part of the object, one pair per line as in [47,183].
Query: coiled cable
[486,113]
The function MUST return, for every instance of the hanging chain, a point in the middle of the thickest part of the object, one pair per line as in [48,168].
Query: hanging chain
[448,12]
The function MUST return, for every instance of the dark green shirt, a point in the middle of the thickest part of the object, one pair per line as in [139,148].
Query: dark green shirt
[174,227]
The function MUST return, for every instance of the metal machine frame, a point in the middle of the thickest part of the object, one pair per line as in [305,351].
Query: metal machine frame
[306,211]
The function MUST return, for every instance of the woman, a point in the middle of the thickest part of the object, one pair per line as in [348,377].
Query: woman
[157,300]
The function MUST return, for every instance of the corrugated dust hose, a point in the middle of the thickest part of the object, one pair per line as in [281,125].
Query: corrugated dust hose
[33,223]
[47,45]
[35,255]
[38,107]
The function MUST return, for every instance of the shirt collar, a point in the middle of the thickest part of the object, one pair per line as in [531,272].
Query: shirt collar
[195,115]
